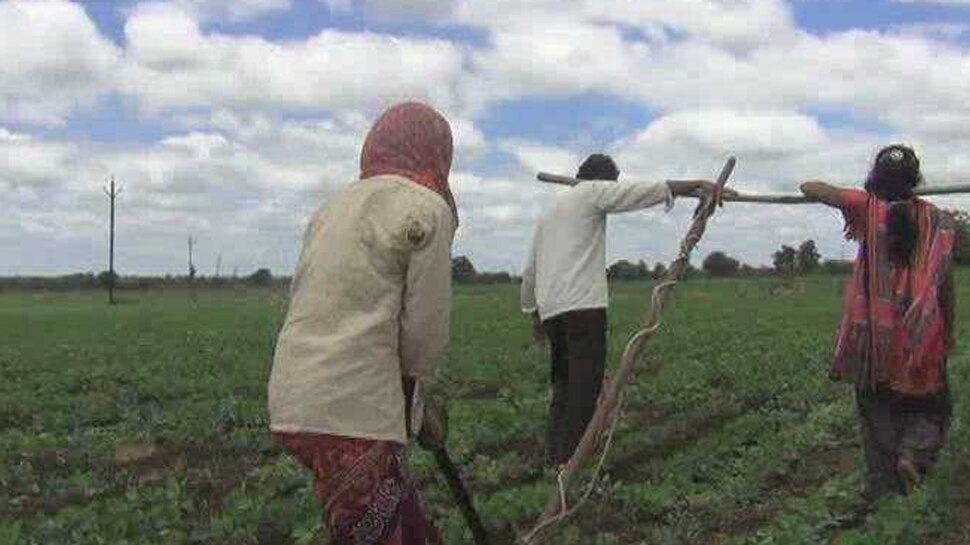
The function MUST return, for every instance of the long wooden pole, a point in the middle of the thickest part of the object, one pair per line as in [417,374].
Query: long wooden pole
[556,508]
[775,198]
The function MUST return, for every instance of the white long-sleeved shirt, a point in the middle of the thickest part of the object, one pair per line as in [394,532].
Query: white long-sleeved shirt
[566,266]
[369,303]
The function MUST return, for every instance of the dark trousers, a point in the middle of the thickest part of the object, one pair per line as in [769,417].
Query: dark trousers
[577,341]
[897,427]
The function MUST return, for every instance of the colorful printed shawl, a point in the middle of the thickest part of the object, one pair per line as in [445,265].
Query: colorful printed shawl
[367,495]
[414,141]
[893,331]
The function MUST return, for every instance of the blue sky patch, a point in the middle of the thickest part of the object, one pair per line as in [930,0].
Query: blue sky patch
[581,121]
[831,117]
[305,18]
[827,16]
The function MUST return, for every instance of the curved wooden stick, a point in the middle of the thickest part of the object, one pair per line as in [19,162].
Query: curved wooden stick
[556,509]
[462,498]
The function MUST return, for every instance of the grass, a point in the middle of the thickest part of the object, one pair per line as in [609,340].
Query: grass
[146,423]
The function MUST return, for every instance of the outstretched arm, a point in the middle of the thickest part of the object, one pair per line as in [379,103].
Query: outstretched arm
[823,193]
[683,188]
[624,196]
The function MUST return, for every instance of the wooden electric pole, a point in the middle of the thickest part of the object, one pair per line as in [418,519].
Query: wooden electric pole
[191,271]
[191,266]
[112,191]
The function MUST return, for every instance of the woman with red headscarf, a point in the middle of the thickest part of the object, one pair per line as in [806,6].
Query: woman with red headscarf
[897,322]
[366,325]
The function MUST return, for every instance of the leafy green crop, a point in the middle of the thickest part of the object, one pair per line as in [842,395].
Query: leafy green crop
[146,423]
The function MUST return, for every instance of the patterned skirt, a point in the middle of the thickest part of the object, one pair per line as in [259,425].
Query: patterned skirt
[367,496]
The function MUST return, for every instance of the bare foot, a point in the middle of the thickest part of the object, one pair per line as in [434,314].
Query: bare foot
[908,473]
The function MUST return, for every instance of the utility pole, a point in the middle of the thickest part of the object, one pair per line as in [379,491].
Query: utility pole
[191,271]
[191,266]
[112,191]
[218,264]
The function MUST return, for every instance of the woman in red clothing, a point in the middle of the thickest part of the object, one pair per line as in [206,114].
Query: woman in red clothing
[365,333]
[897,323]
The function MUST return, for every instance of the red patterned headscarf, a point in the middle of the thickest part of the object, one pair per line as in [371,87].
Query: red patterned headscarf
[414,141]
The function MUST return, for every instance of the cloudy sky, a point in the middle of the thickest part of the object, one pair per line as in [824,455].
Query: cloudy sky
[232,120]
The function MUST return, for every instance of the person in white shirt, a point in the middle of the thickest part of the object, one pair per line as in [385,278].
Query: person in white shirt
[564,288]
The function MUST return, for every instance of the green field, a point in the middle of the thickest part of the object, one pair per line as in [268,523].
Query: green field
[146,423]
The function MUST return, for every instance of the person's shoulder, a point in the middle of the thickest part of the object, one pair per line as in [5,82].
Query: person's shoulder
[945,217]
[852,198]
[568,200]
[403,193]
[422,213]
[587,190]
[853,192]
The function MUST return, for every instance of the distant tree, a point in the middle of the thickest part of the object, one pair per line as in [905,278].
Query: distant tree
[720,264]
[961,220]
[690,271]
[784,259]
[836,266]
[462,269]
[625,270]
[107,279]
[807,257]
[493,278]
[262,277]
[659,271]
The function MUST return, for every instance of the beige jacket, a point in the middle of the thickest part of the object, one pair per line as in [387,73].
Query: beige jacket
[370,302]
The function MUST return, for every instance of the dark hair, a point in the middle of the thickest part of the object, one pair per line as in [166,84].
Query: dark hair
[598,167]
[895,173]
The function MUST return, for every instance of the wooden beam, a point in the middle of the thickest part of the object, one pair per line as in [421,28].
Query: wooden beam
[775,198]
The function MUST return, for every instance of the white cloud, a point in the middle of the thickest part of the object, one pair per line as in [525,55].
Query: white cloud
[887,76]
[54,61]
[29,164]
[535,157]
[243,185]
[735,25]
[259,131]
[751,133]
[561,57]
[173,64]
[247,194]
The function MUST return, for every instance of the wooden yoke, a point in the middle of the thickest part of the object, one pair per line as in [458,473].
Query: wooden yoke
[773,198]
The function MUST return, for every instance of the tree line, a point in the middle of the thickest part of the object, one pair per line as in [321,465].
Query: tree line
[261,277]
[787,260]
